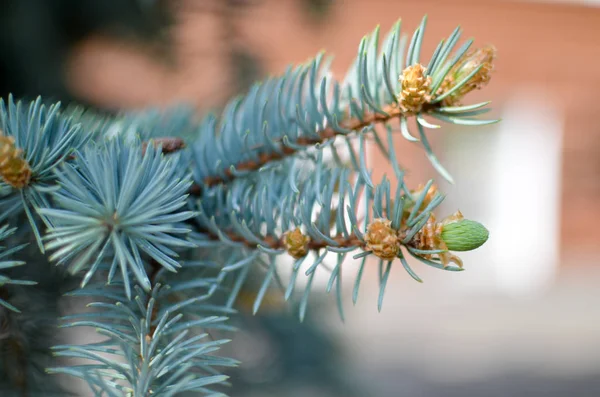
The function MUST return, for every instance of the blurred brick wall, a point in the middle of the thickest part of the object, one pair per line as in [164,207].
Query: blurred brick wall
[548,45]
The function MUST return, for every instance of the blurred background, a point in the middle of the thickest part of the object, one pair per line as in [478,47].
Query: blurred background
[523,319]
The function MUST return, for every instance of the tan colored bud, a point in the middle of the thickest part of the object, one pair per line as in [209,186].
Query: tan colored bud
[409,203]
[14,170]
[296,243]
[483,57]
[415,88]
[382,240]
[428,238]
[452,99]
[428,196]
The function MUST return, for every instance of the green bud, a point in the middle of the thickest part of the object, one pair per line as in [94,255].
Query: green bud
[464,235]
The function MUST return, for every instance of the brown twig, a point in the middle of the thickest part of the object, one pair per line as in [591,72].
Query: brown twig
[275,243]
[155,267]
[343,242]
[169,144]
[324,135]
[354,124]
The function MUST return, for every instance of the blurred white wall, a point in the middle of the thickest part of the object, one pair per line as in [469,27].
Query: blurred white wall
[508,177]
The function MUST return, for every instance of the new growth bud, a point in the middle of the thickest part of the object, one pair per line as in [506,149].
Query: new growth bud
[296,243]
[382,240]
[464,235]
[453,233]
[14,170]
[483,59]
[415,88]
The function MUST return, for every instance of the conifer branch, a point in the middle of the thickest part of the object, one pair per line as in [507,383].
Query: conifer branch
[163,357]
[424,242]
[355,125]
[155,237]
[308,108]
[274,214]
[6,264]
[96,215]
[280,243]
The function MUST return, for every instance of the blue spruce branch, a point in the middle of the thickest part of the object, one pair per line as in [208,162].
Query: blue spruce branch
[5,264]
[160,351]
[307,107]
[158,214]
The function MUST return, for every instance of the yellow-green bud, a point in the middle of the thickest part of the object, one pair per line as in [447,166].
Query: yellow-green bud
[464,235]
[296,243]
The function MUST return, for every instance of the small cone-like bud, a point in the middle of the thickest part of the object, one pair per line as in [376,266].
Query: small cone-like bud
[464,235]
[296,243]
[382,240]
[483,57]
[415,88]
[14,170]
